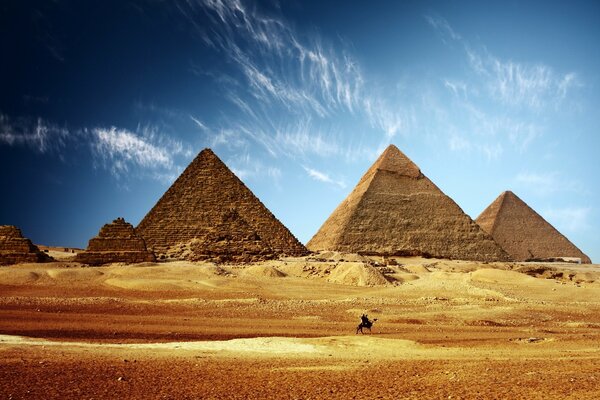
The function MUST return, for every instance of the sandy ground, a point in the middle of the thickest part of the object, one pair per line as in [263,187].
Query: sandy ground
[286,329]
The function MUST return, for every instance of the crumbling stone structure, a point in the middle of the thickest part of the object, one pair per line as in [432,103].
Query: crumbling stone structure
[116,242]
[15,249]
[232,240]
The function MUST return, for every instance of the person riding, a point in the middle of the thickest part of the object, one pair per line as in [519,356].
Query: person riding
[365,320]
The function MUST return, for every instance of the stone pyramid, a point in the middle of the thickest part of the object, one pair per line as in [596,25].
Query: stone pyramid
[523,233]
[116,242]
[396,210]
[15,249]
[232,240]
[197,202]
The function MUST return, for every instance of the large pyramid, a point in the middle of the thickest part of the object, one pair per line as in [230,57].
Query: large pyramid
[197,204]
[396,210]
[523,233]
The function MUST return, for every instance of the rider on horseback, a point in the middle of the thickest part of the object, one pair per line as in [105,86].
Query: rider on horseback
[364,320]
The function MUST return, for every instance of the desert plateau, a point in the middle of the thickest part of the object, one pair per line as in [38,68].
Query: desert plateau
[286,329]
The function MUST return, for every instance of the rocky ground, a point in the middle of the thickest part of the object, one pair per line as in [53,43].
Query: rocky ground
[286,329]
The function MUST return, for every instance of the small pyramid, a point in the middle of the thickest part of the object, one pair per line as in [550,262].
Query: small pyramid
[396,210]
[197,202]
[15,249]
[523,233]
[116,242]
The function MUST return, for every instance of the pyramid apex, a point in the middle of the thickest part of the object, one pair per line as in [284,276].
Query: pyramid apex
[207,151]
[510,195]
[393,160]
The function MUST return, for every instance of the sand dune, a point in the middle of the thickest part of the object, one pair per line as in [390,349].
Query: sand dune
[443,328]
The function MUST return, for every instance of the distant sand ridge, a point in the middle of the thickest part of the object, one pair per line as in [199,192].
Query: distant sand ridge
[396,210]
[14,248]
[523,233]
[116,242]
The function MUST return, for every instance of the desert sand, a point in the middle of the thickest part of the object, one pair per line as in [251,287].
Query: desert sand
[286,329]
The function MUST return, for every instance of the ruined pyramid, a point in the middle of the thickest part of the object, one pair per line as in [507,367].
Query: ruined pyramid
[15,249]
[196,206]
[523,233]
[396,210]
[116,242]
[232,240]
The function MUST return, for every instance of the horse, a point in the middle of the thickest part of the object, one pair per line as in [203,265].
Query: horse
[367,325]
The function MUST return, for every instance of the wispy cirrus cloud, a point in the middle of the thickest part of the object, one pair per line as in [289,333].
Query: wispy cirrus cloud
[458,88]
[36,133]
[246,167]
[199,123]
[145,152]
[498,109]
[515,84]
[285,81]
[443,27]
[323,177]
[123,152]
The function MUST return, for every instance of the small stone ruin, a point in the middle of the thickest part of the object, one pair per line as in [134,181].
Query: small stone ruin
[15,249]
[116,242]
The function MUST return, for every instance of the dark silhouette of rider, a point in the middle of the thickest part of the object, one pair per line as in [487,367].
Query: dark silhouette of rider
[365,320]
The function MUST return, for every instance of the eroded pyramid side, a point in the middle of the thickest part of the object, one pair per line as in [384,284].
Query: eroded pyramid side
[196,202]
[396,210]
[16,249]
[232,240]
[523,233]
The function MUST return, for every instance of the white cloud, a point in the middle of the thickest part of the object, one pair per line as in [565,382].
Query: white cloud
[142,153]
[492,151]
[230,138]
[458,88]
[518,84]
[459,143]
[443,27]
[246,167]
[199,123]
[35,133]
[285,77]
[303,138]
[498,110]
[323,177]
[569,219]
[121,150]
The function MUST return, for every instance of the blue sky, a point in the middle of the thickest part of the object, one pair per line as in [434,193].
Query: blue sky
[102,105]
